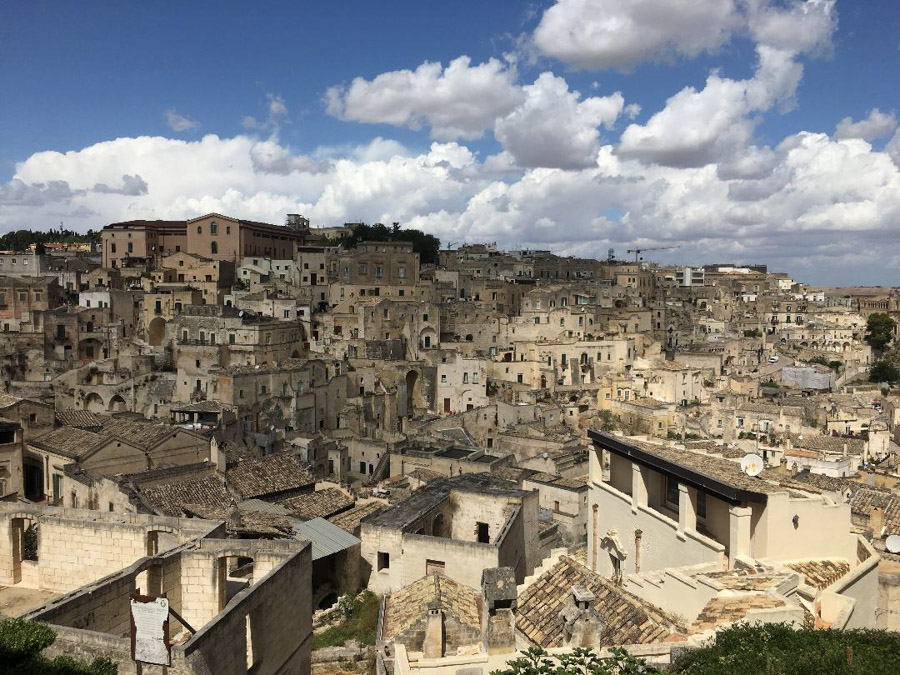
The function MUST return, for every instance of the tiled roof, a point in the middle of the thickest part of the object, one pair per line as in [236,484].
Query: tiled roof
[240,522]
[746,579]
[830,444]
[79,418]
[68,441]
[406,606]
[144,435]
[712,466]
[628,619]
[723,610]
[6,400]
[269,475]
[865,498]
[821,573]
[321,504]
[425,474]
[349,520]
[169,498]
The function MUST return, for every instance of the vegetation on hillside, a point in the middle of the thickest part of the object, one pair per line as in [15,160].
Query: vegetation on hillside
[880,330]
[426,245]
[21,644]
[20,240]
[357,620]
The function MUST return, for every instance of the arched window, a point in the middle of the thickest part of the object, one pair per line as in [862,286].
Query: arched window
[199,229]
[214,228]
[214,247]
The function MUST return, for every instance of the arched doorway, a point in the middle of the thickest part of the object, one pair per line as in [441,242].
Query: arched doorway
[93,403]
[437,526]
[117,404]
[156,331]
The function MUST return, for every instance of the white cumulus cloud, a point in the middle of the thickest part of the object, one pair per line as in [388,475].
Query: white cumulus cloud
[554,128]
[600,34]
[876,125]
[459,101]
[178,122]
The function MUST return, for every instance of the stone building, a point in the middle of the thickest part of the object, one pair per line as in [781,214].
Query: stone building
[213,236]
[457,526]
[240,606]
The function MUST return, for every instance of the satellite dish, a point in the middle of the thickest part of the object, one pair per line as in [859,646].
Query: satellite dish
[752,465]
[892,543]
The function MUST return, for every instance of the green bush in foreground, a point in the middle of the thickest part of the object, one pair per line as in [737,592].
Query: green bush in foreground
[21,644]
[777,649]
[761,649]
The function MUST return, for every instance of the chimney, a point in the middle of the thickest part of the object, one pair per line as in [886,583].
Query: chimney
[433,647]
[876,521]
[583,597]
[499,590]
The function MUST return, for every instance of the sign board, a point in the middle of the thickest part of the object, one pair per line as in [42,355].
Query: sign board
[150,630]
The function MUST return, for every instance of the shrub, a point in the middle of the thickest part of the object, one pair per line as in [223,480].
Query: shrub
[359,617]
[778,649]
[21,644]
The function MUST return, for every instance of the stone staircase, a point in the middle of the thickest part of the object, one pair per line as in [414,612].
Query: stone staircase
[546,564]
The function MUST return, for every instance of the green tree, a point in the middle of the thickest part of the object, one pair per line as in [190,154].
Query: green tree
[880,330]
[884,371]
[426,245]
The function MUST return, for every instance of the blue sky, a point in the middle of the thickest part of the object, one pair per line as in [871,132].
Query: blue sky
[517,159]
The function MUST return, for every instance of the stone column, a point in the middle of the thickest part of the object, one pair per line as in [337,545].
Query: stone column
[687,509]
[739,532]
[638,486]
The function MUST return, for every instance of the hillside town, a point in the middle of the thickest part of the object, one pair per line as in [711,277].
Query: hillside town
[353,445]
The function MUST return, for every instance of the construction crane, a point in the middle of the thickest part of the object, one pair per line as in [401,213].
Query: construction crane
[638,251]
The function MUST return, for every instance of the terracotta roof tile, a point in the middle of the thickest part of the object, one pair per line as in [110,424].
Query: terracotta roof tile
[269,475]
[320,504]
[628,619]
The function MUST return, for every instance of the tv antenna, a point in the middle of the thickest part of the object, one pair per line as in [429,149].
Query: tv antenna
[752,464]
[892,543]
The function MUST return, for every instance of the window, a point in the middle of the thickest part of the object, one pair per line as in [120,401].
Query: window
[384,559]
[465,378]
[199,229]
[214,228]
[482,533]
[424,317]
[228,229]
[231,338]
[379,271]
[214,247]
[362,270]
[401,271]
[672,491]
[112,248]
[519,378]
[130,247]
[443,378]
[474,378]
